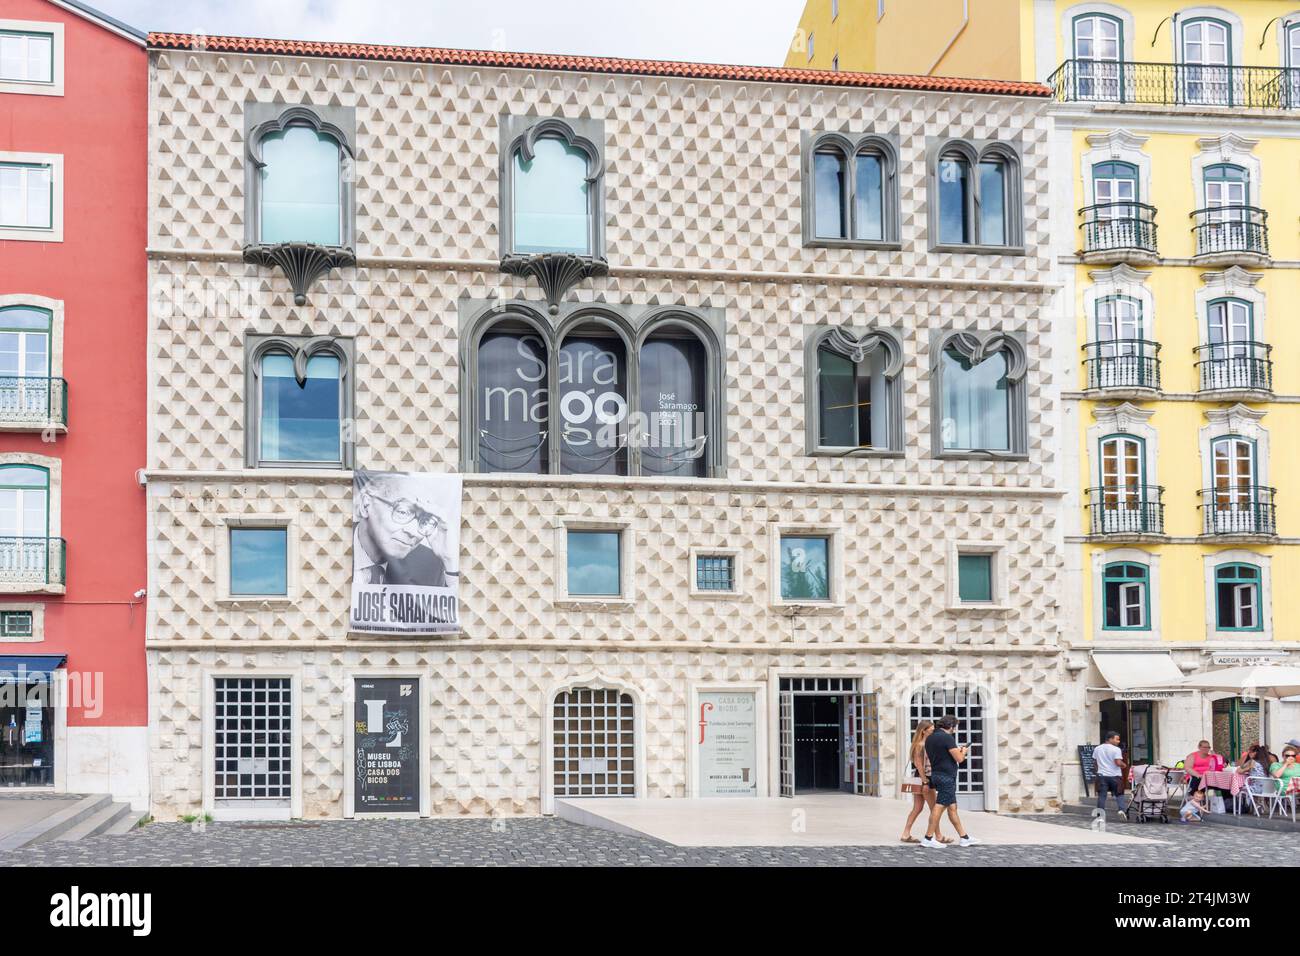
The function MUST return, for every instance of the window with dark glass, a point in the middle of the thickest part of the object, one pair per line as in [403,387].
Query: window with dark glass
[975,578]
[259,563]
[852,197]
[16,623]
[852,400]
[975,195]
[593,403]
[805,568]
[715,572]
[1237,597]
[955,226]
[513,400]
[300,420]
[993,203]
[674,370]
[1124,586]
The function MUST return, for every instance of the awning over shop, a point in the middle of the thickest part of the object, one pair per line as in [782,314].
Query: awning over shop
[1131,671]
[31,667]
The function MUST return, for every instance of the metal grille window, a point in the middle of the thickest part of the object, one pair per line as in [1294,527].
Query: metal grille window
[15,623]
[595,743]
[819,685]
[715,572]
[253,723]
[966,704]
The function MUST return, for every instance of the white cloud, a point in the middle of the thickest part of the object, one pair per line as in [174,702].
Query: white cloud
[720,31]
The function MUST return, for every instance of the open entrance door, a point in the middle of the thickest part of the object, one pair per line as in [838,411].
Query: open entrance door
[829,733]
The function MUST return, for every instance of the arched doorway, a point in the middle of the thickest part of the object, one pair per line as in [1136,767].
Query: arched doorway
[968,704]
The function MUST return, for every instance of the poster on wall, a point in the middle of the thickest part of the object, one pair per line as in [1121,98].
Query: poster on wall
[405,553]
[386,733]
[728,744]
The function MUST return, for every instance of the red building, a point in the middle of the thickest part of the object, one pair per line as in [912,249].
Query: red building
[73,309]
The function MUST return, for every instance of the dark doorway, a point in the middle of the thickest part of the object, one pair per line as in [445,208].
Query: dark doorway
[818,742]
[1134,721]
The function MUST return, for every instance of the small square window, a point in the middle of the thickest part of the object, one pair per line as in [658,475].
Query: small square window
[805,568]
[595,564]
[16,624]
[715,572]
[975,578]
[259,561]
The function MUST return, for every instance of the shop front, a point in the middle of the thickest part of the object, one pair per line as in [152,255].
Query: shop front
[1132,699]
[28,751]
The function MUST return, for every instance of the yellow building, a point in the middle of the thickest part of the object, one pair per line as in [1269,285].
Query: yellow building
[1176,215]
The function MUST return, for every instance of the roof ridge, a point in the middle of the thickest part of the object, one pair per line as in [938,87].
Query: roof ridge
[451,56]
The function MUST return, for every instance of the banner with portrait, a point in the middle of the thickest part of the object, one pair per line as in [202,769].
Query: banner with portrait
[405,553]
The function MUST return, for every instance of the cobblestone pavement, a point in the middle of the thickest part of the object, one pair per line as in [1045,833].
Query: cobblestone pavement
[551,842]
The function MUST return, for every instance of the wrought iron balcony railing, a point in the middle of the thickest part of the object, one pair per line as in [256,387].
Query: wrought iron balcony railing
[38,562]
[1122,363]
[33,400]
[1239,509]
[1227,229]
[1235,367]
[1119,226]
[1127,509]
[1176,84]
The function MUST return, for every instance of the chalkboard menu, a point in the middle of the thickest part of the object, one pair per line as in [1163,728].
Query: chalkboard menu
[1087,764]
[386,729]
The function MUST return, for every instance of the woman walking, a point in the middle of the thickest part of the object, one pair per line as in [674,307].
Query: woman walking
[916,780]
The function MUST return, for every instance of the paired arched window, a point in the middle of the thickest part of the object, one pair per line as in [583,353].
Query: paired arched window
[851,191]
[1126,590]
[553,179]
[854,391]
[598,393]
[300,183]
[300,401]
[979,382]
[976,195]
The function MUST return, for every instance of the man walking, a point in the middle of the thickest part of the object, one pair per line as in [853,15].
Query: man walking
[1110,777]
[945,756]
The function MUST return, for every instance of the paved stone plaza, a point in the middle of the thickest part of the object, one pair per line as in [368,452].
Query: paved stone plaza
[551,842]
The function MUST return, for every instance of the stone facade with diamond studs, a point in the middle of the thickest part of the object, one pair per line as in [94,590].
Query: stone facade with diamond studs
[702,203]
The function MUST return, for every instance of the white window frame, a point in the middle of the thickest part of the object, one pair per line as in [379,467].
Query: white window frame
[1151,560]
[37,611]
[999,566]
[835,555]
[626,557]
[1264,609]
[39,234]
[221,548]
[55,30]
[737,588]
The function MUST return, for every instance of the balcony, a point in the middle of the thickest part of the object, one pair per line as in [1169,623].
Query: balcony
[1119,232]
[1122,368]
[1231,236]
[1240,371]
[32,565]
[1130,513]
[1239,513]
[1176,84]
[33,403]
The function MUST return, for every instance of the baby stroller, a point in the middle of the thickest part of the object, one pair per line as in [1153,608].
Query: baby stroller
[1150,795]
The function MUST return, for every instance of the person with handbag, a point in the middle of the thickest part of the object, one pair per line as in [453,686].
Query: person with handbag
[916,781]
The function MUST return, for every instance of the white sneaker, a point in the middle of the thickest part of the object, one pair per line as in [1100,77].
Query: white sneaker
[969,841]
[932,843]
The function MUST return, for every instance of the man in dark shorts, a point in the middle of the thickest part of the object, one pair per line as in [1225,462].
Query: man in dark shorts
[945,756]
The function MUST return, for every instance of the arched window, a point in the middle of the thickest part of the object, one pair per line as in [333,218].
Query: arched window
[1124,494]
[1206,57]
[300,182]
[25,550]
[853,196]
[1235,501]
[635,392]
[1237,597]
[1125,587]
[513,398]
[1098,50]
[25,387]
[553,180]
[301,407]
[854,391]
[981,396]
[978,191]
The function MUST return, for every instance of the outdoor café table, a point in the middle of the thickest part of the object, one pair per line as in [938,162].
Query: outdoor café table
[1223,780]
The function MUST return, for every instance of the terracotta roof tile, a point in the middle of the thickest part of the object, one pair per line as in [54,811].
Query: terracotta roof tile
[593,64]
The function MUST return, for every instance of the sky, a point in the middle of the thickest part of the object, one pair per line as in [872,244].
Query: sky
[754,32]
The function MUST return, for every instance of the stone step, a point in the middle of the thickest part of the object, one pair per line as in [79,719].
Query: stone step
[59,822]
[99,822]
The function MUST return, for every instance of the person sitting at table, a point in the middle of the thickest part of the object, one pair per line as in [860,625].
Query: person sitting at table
[1256,761]
[1199,762]
[1287,767]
